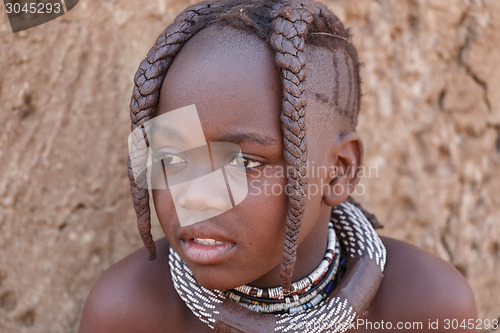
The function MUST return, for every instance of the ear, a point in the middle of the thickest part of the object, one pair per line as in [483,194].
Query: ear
[348,157]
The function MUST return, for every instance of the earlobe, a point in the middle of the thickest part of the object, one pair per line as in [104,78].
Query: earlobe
[348,159]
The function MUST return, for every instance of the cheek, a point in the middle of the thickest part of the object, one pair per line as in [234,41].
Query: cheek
[162,198]
[165,211]
[266,207]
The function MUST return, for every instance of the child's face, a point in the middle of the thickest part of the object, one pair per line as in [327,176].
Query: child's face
[237,93]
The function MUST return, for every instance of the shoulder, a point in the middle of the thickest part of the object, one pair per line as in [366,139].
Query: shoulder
[133,295]
[420,287]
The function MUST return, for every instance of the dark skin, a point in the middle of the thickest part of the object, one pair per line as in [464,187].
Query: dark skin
[236,90]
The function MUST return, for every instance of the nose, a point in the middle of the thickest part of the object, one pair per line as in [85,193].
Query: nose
[201,198]
[205,193]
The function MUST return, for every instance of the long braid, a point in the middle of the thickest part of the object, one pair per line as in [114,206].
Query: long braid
[148,81]
[291,28]
[288,41]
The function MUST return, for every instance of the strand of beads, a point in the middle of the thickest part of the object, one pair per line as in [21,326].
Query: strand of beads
[307,295]
[302,286]
[295,303]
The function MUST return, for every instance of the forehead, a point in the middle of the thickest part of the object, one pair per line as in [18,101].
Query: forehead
[230,76]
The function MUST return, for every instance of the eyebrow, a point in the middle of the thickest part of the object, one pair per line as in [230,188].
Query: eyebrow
[238,138]
[235,138]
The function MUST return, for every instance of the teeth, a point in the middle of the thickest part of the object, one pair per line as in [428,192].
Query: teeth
[207,241]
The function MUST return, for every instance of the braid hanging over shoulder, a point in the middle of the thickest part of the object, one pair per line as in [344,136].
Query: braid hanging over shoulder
[148,81]
[288,42]
[286,26]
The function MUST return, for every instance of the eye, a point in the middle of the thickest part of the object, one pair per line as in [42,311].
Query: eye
[247,163]
[169,158]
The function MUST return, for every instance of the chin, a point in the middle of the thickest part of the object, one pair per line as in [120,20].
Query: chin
[217,284]
[219,281]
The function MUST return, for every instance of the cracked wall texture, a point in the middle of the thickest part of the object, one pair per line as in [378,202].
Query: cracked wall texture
[430,120]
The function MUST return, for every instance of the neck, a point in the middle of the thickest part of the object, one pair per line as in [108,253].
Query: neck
[310,252]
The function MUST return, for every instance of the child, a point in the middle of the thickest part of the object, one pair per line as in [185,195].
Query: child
[279,79]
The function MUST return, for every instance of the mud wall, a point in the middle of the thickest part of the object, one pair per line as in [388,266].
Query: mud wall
[431,122]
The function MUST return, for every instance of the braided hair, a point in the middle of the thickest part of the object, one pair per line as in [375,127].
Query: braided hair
[286,26]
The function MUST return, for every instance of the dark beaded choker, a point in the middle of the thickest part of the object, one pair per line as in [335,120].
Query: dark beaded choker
[307,292]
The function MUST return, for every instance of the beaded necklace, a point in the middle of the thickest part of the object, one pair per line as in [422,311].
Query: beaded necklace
[307,292]
[331,310]
[299,287]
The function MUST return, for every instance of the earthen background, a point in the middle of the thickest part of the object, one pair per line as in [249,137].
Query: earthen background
[430,121]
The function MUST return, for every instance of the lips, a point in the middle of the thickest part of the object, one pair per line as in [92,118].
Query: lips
[204,245]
